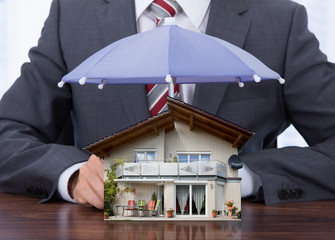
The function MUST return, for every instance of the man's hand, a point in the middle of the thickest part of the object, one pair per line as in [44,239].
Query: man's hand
[86,186]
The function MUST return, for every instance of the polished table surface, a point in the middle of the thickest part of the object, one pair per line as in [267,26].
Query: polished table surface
[22,217]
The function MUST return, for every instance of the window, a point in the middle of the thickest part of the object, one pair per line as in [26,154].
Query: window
[197,194]
[193,157]
[144,155]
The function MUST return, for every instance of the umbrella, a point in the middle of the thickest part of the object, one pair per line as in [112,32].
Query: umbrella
[170,54]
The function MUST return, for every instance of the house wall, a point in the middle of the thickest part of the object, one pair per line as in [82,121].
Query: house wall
[144,191]
[232,191]
[231,172]
[169,196]
[179,140]
[128,151]
[211,197]
[197,140]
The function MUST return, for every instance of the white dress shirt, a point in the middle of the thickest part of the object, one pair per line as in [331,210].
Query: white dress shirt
[193,16]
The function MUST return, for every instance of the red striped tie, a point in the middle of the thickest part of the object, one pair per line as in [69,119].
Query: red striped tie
[157,93]
[164,8]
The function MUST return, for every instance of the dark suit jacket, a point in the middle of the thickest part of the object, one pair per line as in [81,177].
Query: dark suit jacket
[34,110]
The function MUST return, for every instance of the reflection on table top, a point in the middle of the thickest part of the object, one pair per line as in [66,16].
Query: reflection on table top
[308,220]
[22,217]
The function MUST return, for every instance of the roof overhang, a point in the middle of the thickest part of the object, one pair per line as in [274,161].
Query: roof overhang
[178,111]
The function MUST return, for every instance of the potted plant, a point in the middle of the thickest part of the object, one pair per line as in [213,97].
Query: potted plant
[170,213]
[238,215]
[214,213]
[106,215]
[234,211]
[230,206]
[130,190]
[154,198]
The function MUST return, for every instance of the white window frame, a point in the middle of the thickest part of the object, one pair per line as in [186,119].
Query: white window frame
[190,195]
[194,153]
[145,151]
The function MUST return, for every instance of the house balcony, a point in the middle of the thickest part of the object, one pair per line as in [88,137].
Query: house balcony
[165,169]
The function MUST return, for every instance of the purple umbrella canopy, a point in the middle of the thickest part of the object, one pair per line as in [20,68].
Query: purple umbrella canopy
[170,52]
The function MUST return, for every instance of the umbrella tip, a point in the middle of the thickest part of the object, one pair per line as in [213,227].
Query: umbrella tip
[240,83]
[256,78]
[102,84]
[168,78]
[82,81]
[281,80]
[168,21]
[60,84]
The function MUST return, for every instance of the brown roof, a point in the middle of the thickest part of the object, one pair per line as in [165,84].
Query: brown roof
[178,111]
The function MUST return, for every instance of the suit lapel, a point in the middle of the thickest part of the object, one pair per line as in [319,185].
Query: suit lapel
[224,22]
[116,20]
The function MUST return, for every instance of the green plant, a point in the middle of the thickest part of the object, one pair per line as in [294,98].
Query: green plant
[109,211]
[130,190]
[238,215]
[106,213]
[154,197]
[234,211]
[214,210]
[171,210]
[110,185]
[229,203]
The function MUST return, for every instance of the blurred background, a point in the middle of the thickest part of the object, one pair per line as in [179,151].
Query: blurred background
[21,22]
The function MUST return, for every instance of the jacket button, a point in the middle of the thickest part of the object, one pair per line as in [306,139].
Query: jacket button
[283,194]
[299,192]
[291,194]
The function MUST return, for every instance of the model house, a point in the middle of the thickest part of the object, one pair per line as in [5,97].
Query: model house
[184,156]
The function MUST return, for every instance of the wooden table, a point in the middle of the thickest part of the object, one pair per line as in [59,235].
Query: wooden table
[23,218]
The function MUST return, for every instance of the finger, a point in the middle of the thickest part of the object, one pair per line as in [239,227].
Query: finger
[89,174]
[100,171]
[98,163]
[87,197]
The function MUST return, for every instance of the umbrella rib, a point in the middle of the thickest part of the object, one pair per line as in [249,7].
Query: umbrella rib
[117,43]
[233,54]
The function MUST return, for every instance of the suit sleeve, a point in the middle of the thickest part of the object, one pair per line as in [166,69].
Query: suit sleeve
[32,115]
[294,173]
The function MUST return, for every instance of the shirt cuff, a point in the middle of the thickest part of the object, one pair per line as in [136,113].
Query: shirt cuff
[250,181]
[63,181]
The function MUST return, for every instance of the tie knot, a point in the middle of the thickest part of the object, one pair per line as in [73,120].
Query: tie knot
[164,8]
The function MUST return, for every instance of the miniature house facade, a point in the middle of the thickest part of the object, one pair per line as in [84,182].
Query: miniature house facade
[181,156]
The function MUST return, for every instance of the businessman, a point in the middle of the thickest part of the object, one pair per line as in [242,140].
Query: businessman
[43,128]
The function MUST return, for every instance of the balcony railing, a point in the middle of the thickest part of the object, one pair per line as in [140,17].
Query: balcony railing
[172,169]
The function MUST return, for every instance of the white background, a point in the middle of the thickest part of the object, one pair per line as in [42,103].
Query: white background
[21,22]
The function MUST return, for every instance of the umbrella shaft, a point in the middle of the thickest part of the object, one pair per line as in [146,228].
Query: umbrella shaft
[171,89]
